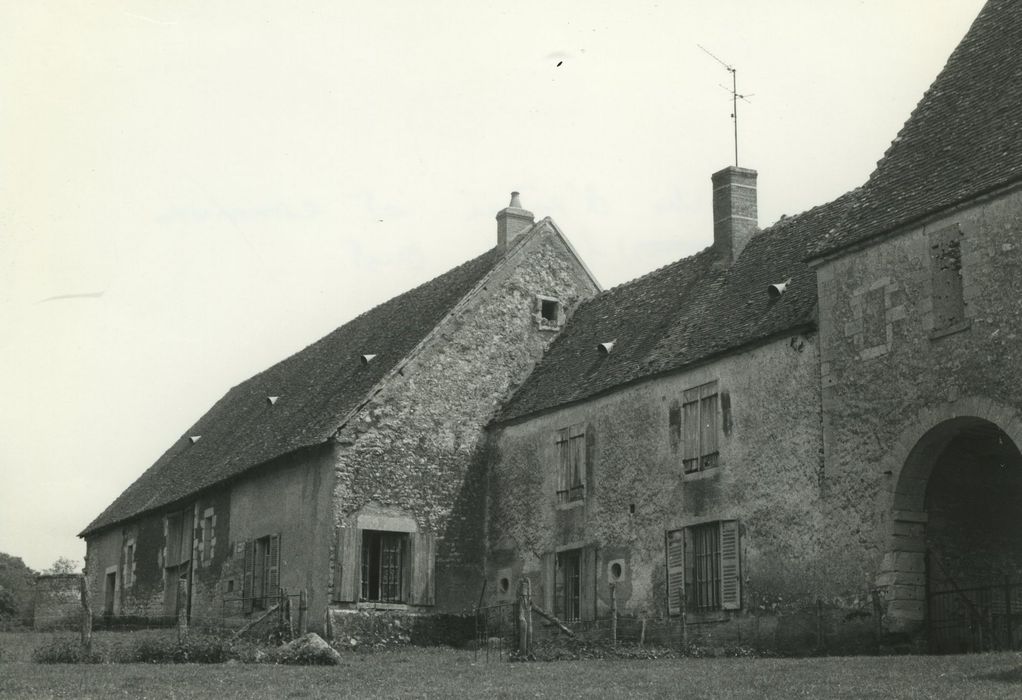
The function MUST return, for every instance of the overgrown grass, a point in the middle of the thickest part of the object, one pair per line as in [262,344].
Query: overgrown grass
[441,672]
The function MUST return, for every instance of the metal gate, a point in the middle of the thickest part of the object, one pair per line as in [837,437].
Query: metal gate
[965,620]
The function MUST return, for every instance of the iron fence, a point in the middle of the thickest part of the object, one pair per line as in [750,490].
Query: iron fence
[985,618]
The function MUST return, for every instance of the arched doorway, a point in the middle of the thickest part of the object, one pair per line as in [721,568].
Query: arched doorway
[954,564]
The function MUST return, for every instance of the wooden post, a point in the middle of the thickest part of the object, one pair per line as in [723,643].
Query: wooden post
[86,614]
[182,607]
[303,613]
[684,619]
[820,643]
[613,614]
[642,630]
[524,619]
[877,617]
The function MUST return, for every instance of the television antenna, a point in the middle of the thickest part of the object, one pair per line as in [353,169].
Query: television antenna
[735,95]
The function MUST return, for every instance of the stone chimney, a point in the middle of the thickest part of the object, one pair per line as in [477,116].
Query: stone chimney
[735,219]
[512,221]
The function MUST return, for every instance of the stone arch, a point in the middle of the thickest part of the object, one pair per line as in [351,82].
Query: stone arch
[910,464]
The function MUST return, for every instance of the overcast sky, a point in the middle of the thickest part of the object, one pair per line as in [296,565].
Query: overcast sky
[192,191]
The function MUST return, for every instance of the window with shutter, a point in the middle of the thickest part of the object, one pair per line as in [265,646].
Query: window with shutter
[272,566]
[568,585]
[705,560]
[701,423]
[248,582]
[571,467]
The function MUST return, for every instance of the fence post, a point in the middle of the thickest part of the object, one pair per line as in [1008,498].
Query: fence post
[684,618]
[303,612]
[86,615]
[642,630]
[524,618]
[613,614]
[819,625]
[877,621]
[182,607]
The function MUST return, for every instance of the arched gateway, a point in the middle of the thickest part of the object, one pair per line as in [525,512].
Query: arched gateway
[953,560]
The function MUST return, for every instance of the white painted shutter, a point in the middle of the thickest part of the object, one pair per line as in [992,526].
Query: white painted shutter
[675,545]
[730,566]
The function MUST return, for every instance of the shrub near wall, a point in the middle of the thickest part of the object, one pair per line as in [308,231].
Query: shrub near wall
[376,628]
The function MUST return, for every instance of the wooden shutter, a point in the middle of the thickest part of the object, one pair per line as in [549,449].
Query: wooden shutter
[690,568]
[273,567]
[730,568]
[187,537]
[559,607]
[347,564]
[675,570]
[590,455]
[708,424]
[423,562]
[549,566]
[248,577]
[173,540]
[587,596]
[690,410]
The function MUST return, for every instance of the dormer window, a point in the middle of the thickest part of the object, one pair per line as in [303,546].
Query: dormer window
[548,312]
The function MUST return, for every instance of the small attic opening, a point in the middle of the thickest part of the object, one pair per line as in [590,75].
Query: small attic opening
[550,310]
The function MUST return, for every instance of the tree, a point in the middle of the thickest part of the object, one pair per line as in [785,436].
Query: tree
[63,565]
[16,581]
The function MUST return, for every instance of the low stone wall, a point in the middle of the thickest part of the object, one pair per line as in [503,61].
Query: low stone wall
[58,603]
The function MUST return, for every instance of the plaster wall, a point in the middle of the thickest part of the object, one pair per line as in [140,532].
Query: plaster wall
[291,498]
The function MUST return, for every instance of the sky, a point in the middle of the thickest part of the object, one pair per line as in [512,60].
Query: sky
[192,191]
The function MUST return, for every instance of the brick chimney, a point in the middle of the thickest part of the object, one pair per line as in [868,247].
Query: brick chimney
[735,219]
[512,221]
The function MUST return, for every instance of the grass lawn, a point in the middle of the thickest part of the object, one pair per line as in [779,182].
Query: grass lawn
[455,673]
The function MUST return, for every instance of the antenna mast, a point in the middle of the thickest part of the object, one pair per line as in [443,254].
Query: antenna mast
[734,94]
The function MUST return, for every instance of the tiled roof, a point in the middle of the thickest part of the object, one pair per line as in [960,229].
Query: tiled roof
[681,314]
[317,387]
[963,139]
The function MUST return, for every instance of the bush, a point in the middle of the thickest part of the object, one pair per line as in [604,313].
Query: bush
[66,651]
[192,648]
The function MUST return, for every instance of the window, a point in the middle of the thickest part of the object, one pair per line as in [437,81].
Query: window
[946,277]
[262,573]
[383,566]
[703,567]
[128,575]
[548,312]
[110,592]
[571,464]
[178,538]
[568,585]
[699,410]
[208,541]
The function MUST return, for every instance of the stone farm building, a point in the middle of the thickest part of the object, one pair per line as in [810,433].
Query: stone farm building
[821,414]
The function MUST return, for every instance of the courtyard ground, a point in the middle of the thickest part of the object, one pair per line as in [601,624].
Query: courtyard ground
[442,672]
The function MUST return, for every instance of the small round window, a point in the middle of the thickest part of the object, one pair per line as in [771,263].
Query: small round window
[615,571]
[505,585]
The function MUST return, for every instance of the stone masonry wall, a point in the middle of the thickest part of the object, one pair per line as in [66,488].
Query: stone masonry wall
[636,490]
[915,331]
[418,447]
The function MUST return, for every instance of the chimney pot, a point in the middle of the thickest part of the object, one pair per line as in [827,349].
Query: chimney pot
[735,216]
[512,221]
